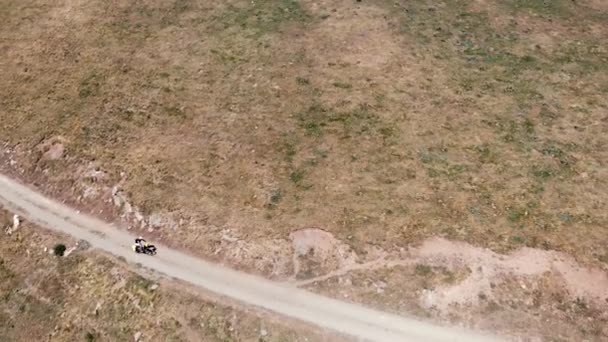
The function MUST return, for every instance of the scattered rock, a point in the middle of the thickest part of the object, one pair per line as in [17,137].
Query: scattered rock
[137,336]
[345,281]
[11,229]
[69,251]
[83,245]
[121,283]
[273,255]
[155,220]
[90,182]
[380,286]
[16,222]
[316,251]
[154,287]
[54,152]
[171,223]
[226,236]
[97,309]
[138,216]
[117,197]
[158,220]
[316,240]
[263,332]
[127,209]
[90,193]
[94,174]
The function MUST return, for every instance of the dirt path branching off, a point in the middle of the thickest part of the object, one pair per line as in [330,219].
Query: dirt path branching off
[346,318]
[486,267]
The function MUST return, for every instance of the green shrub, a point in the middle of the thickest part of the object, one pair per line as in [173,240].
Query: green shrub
[59,249]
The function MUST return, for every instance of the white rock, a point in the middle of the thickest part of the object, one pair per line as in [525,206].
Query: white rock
[116,196]
[55,152]
[69,251]
[155,220]
[138,216]
[229,238]
[90,192]
[95,175]
[128,208]
[171,223]
[137,336]
[97,308]
[16,222]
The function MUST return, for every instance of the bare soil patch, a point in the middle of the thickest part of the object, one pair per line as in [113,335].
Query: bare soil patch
[529,293]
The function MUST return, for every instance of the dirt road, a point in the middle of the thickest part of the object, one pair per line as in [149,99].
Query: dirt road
[350,319]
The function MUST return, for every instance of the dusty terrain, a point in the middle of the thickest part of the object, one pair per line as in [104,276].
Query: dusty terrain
[84,296]
[302,139]
[226,284]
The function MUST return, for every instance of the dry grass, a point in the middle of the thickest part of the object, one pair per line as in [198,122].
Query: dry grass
[381,122]
[88,297]
[516,308]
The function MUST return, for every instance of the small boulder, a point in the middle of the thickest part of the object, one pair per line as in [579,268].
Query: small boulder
[16,221]
[155,220]
[83,245]
[137,336]
[54,152]
[97,309]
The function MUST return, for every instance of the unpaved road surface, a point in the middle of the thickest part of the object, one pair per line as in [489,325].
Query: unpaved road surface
[354,320]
